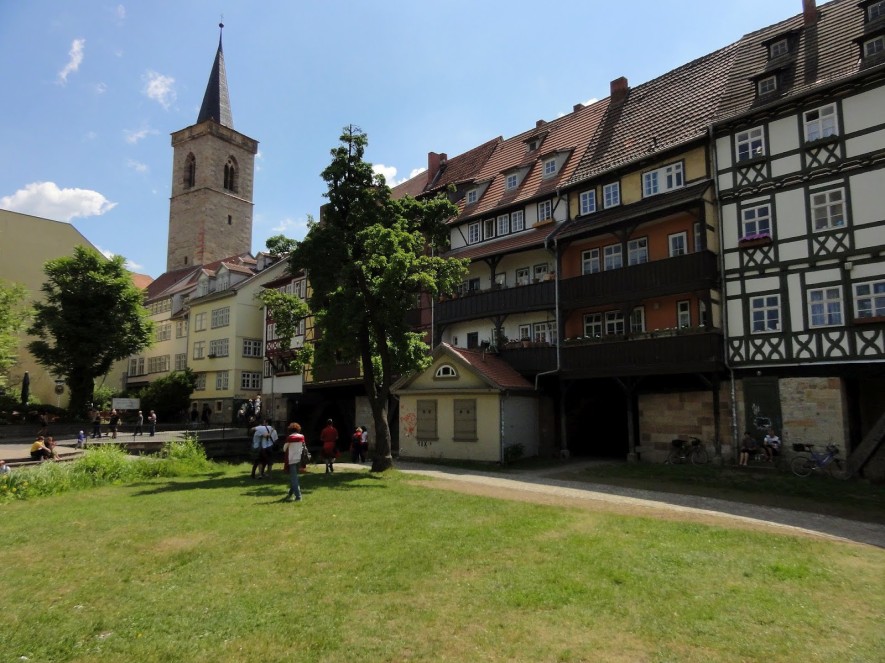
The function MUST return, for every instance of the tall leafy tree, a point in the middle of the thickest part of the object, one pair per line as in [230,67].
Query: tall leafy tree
[91,316]
[367,259]
[14,313]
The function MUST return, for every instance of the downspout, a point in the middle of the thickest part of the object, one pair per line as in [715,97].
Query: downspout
[501,427]
[717,456]
[563,443]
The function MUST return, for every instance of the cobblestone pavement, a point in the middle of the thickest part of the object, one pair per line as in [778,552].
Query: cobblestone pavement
[540,486]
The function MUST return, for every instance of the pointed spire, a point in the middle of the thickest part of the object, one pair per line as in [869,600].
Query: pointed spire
[216,102]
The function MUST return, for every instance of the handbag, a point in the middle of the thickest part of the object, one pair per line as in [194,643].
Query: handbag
[305,455]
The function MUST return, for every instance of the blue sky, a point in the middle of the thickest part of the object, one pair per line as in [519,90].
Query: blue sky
[95,88]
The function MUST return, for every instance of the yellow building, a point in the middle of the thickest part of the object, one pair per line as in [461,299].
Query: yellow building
[26,244]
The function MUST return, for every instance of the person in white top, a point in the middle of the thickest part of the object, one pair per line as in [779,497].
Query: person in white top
[263,438]
[771,443]
[293,449]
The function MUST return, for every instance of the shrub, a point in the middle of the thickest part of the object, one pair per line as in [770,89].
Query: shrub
[184,457]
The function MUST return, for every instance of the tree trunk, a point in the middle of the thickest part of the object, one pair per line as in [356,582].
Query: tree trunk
[383,459]
[82,387]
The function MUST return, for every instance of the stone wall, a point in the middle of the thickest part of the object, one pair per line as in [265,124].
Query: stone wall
[814,411]
[664,417]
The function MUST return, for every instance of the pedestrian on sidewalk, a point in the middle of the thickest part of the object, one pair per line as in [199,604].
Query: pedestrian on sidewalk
[113,423]
[263,439]
[81,440]
[152,422]
[356,444]
[364,445]
[139,422]
[96,424]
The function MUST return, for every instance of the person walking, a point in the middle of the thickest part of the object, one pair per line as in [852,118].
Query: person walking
[139,422]
[293,449]
[263,438]
[152,422]
[96,424]
[113,422]
[356,445]
[364,445]
[329,438]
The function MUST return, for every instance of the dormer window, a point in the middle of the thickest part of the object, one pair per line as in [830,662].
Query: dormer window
[511,182]
[874,46]
[766,85]
[549,167]
[662,179]
[779,48]
[223,281]
[446,371]
[472,196]
[531,145]
[876,11]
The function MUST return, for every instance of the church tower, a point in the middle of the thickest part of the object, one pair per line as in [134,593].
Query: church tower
[213,166]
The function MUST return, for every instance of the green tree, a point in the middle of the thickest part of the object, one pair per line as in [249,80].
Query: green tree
[92,315]
[280,244]
[14,314]
[169,395]
[287,311]
[367,259]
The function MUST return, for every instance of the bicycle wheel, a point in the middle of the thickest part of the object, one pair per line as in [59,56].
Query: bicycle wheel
[802,466]
[838,469]
[675,457]
[699,456]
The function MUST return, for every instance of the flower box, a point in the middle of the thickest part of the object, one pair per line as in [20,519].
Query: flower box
[751,241]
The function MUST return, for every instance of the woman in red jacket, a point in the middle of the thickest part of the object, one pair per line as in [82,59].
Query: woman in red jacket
[329,438]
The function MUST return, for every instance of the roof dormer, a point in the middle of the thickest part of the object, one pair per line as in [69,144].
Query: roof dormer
[552,163]
[475,192]
[533,142]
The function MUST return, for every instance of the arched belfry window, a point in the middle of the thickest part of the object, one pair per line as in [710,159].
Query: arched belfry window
[230,175]
[190,172]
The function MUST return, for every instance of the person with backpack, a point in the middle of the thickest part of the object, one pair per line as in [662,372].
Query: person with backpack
[263,439]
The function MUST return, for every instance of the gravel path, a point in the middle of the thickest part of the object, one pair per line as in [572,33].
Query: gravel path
[541,487]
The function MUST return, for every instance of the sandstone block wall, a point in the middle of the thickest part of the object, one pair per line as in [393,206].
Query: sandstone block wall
[663,417]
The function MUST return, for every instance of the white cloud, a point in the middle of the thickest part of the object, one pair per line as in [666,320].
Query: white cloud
[159,88]
[137,166]
[132,136]
[76,58]
[100,88]
[45,199]
[293,228]
[120,13]
[389,173]
[416,171]
[133,266]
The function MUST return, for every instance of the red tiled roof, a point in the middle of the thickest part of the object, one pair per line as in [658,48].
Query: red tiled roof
[166,280]
[520,241]
[461,168]
[569,133]
[185,277]
[141,281]
[663,113]
[824,53]
[497,372]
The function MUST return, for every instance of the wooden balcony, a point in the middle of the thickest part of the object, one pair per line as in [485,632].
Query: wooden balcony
[686,273]
[531,360]
[502,301]
[328,375]
[655,353]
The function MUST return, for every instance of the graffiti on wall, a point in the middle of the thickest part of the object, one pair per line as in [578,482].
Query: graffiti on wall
[408,423]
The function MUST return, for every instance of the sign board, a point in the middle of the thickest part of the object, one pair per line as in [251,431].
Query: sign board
[126,403]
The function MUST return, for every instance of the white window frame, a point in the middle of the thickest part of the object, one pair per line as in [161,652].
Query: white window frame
[637,251]
[545,210]
[756,221]
[517,221]
[488,229]
[446,372]
[199,322]
[474,232]
[472,196]
[825,307]
[766,85]
[181,329]
[637,320]
[778,48]
[590,261]
[765,314]
[588,202]
[523,276]
[614,323]
[869,299]
[220,317]
[663,179]
[252,347]
[222,380]
[503,224]
[511,181]
[544,332]
[827,209]
[525,332]
[540,271]
[220,347]
[593,327]
[611,195]
[697,236]
[180,361]
[674,241]
[875,10]
[250,380]
[820,122]
[201,382]
[613,257]
[683,313]
[199,349]
[549,167]
[749,144]
[702,314]
[874,46]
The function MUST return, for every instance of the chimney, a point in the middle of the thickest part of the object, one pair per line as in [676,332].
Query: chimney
[540,123]
[577,107]
[809,12]
[619,89]
[434,163]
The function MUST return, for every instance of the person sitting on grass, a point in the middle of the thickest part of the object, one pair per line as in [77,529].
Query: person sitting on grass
[39,450]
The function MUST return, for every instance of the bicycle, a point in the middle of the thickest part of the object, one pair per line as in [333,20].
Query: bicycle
[692,450]
[804,465]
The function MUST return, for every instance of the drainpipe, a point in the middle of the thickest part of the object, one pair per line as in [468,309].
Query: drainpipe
[563,445]
[724,309]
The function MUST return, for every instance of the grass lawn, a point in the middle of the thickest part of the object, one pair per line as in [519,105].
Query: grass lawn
[386,568]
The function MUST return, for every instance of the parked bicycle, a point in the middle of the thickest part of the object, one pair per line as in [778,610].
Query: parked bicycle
[684,451]
[810,461]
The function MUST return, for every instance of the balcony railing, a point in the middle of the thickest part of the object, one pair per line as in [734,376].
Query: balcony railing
[530,360]
[327,374]
[654,353]
[500,301]
[685,273]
